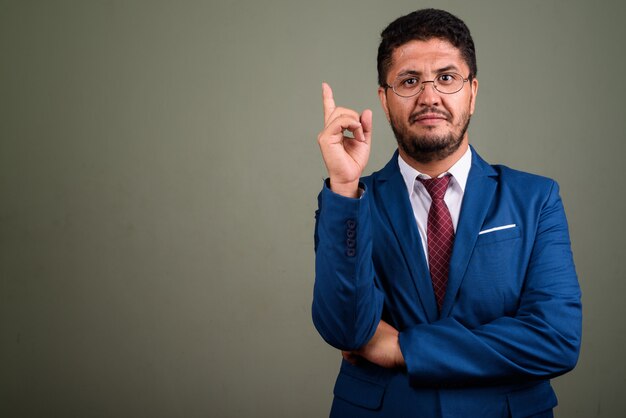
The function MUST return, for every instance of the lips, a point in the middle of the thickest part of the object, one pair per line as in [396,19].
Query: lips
[426,117]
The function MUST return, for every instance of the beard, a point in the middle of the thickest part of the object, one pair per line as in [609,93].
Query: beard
[426,147]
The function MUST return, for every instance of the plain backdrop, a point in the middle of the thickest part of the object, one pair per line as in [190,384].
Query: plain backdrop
[159,172]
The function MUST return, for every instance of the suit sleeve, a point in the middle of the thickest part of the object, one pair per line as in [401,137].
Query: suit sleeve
[541,340]
[347,305]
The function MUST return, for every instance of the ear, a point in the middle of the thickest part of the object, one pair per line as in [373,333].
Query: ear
[474,90]
[382,95]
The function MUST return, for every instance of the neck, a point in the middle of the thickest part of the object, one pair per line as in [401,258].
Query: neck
[436,168]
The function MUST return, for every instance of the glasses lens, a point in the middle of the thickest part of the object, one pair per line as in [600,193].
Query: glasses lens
[449,82]
[410,85]
[407,86]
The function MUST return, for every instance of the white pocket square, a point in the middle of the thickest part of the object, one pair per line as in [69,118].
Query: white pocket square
[497,228]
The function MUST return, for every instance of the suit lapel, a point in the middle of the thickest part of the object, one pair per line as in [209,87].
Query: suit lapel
[479,192]
[397,207]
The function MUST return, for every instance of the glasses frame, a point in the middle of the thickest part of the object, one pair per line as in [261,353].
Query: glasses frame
[422,86]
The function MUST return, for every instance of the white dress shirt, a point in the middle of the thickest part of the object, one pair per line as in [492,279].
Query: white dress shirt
[420,199]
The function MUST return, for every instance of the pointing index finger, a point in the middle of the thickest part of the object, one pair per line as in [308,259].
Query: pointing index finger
[328,101]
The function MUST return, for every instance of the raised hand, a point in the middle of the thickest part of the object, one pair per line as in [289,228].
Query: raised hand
[345,157]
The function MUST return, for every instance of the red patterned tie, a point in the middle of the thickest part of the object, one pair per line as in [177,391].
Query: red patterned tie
[440,234]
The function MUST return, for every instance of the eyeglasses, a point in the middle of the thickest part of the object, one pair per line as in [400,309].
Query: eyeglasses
[410,85]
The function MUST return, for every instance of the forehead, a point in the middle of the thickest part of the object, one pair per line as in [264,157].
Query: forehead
[426,56]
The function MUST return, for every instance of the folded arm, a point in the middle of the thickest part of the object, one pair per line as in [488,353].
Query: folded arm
[541,339]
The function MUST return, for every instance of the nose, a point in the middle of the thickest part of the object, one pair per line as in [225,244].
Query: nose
[429,96]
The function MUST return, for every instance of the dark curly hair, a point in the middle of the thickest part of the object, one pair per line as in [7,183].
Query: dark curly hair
[423,25]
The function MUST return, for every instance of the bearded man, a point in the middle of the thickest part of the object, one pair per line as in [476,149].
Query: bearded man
[447,283]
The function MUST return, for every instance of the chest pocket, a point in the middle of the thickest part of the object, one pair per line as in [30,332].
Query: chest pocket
[496,252]
[500,235]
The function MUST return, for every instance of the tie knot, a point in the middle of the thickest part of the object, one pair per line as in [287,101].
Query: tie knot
[436,188]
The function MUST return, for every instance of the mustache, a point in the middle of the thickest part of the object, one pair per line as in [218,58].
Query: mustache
[429,110]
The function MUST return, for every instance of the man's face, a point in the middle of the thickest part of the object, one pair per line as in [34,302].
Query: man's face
[431,125]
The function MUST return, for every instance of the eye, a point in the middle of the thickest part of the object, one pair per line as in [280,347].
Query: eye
[446,79]
[408,82]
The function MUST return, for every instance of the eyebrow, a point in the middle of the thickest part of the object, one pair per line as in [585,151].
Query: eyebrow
[447,68]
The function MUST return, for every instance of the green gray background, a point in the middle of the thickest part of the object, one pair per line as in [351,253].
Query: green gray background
[159,172]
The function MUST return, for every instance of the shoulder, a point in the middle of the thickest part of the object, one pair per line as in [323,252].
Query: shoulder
[389,172]
[521,178]
[511,178]
[525,189]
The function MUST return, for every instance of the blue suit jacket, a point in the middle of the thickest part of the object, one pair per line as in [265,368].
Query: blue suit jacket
[511,318]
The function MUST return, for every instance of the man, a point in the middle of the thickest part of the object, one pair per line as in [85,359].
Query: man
[447,283]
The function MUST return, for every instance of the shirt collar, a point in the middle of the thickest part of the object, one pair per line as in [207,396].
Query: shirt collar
[459,171]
